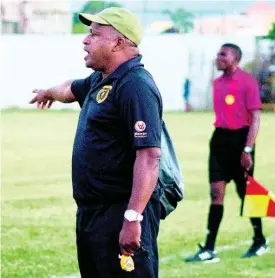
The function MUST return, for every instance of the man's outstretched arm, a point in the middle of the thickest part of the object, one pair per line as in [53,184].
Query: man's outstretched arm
[45,98]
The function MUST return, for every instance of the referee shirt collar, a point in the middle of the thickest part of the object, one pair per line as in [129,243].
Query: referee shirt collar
[235,75]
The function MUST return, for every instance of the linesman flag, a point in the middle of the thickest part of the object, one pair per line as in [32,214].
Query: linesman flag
[258,201]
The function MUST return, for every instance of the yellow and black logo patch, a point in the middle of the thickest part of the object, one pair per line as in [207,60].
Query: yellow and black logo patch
[126,263]
[103,93]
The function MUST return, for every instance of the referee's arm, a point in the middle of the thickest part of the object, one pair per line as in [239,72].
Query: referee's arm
[254,106]
[254,127]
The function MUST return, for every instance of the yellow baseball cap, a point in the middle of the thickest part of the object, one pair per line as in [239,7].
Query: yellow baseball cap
[121,19]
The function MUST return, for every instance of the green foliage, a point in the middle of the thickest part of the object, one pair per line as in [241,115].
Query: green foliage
[182,19]
[97,6]
[90,7]
[79,28]
[250,66]
[271,33]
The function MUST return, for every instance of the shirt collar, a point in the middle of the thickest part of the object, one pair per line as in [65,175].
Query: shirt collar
[126,66]
[235,75]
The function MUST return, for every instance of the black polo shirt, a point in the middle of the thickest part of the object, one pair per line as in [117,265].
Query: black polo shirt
[119,114]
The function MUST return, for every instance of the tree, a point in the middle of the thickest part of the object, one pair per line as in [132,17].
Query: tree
[90,7]
[271,33]
[182,19]
[270,36]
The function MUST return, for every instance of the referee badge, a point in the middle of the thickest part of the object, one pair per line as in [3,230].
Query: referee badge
[229,99]
[103,93]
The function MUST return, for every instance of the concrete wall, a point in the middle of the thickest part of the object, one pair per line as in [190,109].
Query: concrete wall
[34,61]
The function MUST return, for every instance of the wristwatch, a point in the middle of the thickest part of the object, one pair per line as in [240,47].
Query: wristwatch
[131,215]
[247,149]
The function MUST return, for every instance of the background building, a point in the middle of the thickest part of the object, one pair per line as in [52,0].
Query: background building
[255,20]
[36,17]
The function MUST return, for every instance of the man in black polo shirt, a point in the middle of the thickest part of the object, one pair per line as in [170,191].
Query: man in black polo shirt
[116,152]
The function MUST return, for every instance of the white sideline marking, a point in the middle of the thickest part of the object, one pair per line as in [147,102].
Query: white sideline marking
[181,254]
[218,249]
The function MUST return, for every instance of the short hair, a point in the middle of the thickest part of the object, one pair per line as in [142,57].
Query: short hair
[236,49]
[118,34]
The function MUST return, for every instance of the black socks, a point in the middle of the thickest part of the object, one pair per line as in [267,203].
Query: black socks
[214,220]
[257,227]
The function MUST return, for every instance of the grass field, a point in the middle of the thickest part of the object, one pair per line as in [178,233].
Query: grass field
[38,212]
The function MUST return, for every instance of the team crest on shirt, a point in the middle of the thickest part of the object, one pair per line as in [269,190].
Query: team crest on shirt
[140,128]
[229,99]
[103,93]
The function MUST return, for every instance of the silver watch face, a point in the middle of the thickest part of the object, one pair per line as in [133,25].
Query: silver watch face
[248,149]
[130,215]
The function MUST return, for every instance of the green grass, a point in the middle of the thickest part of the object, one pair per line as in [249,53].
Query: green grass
[38,211]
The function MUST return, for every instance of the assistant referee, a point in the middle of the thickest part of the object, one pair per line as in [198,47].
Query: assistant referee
[237,107]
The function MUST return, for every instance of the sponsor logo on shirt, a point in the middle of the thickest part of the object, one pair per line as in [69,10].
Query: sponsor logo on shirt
[103,93]
[140,128]
[229,99]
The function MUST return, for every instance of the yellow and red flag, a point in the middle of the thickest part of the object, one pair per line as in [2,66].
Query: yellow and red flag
[258,201]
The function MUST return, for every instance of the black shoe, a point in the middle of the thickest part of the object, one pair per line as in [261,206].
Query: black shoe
[203,255]
[258,248]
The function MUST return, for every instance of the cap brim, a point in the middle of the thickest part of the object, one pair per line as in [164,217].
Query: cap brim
[87,19]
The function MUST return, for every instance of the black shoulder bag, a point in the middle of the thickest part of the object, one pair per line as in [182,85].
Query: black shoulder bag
[170,179]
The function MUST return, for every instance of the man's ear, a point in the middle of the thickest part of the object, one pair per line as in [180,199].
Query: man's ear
[121,43]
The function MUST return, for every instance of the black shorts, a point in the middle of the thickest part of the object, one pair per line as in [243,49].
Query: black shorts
[97,234]
[226,147]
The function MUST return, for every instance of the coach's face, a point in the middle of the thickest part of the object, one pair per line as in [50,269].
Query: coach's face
[99,44]
[226,58]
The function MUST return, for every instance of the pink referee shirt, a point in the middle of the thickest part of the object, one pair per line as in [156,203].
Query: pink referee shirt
[234,96]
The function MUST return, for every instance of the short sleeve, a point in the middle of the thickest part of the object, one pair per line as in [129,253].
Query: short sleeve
[253,97]
[140,108]
[80,89]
